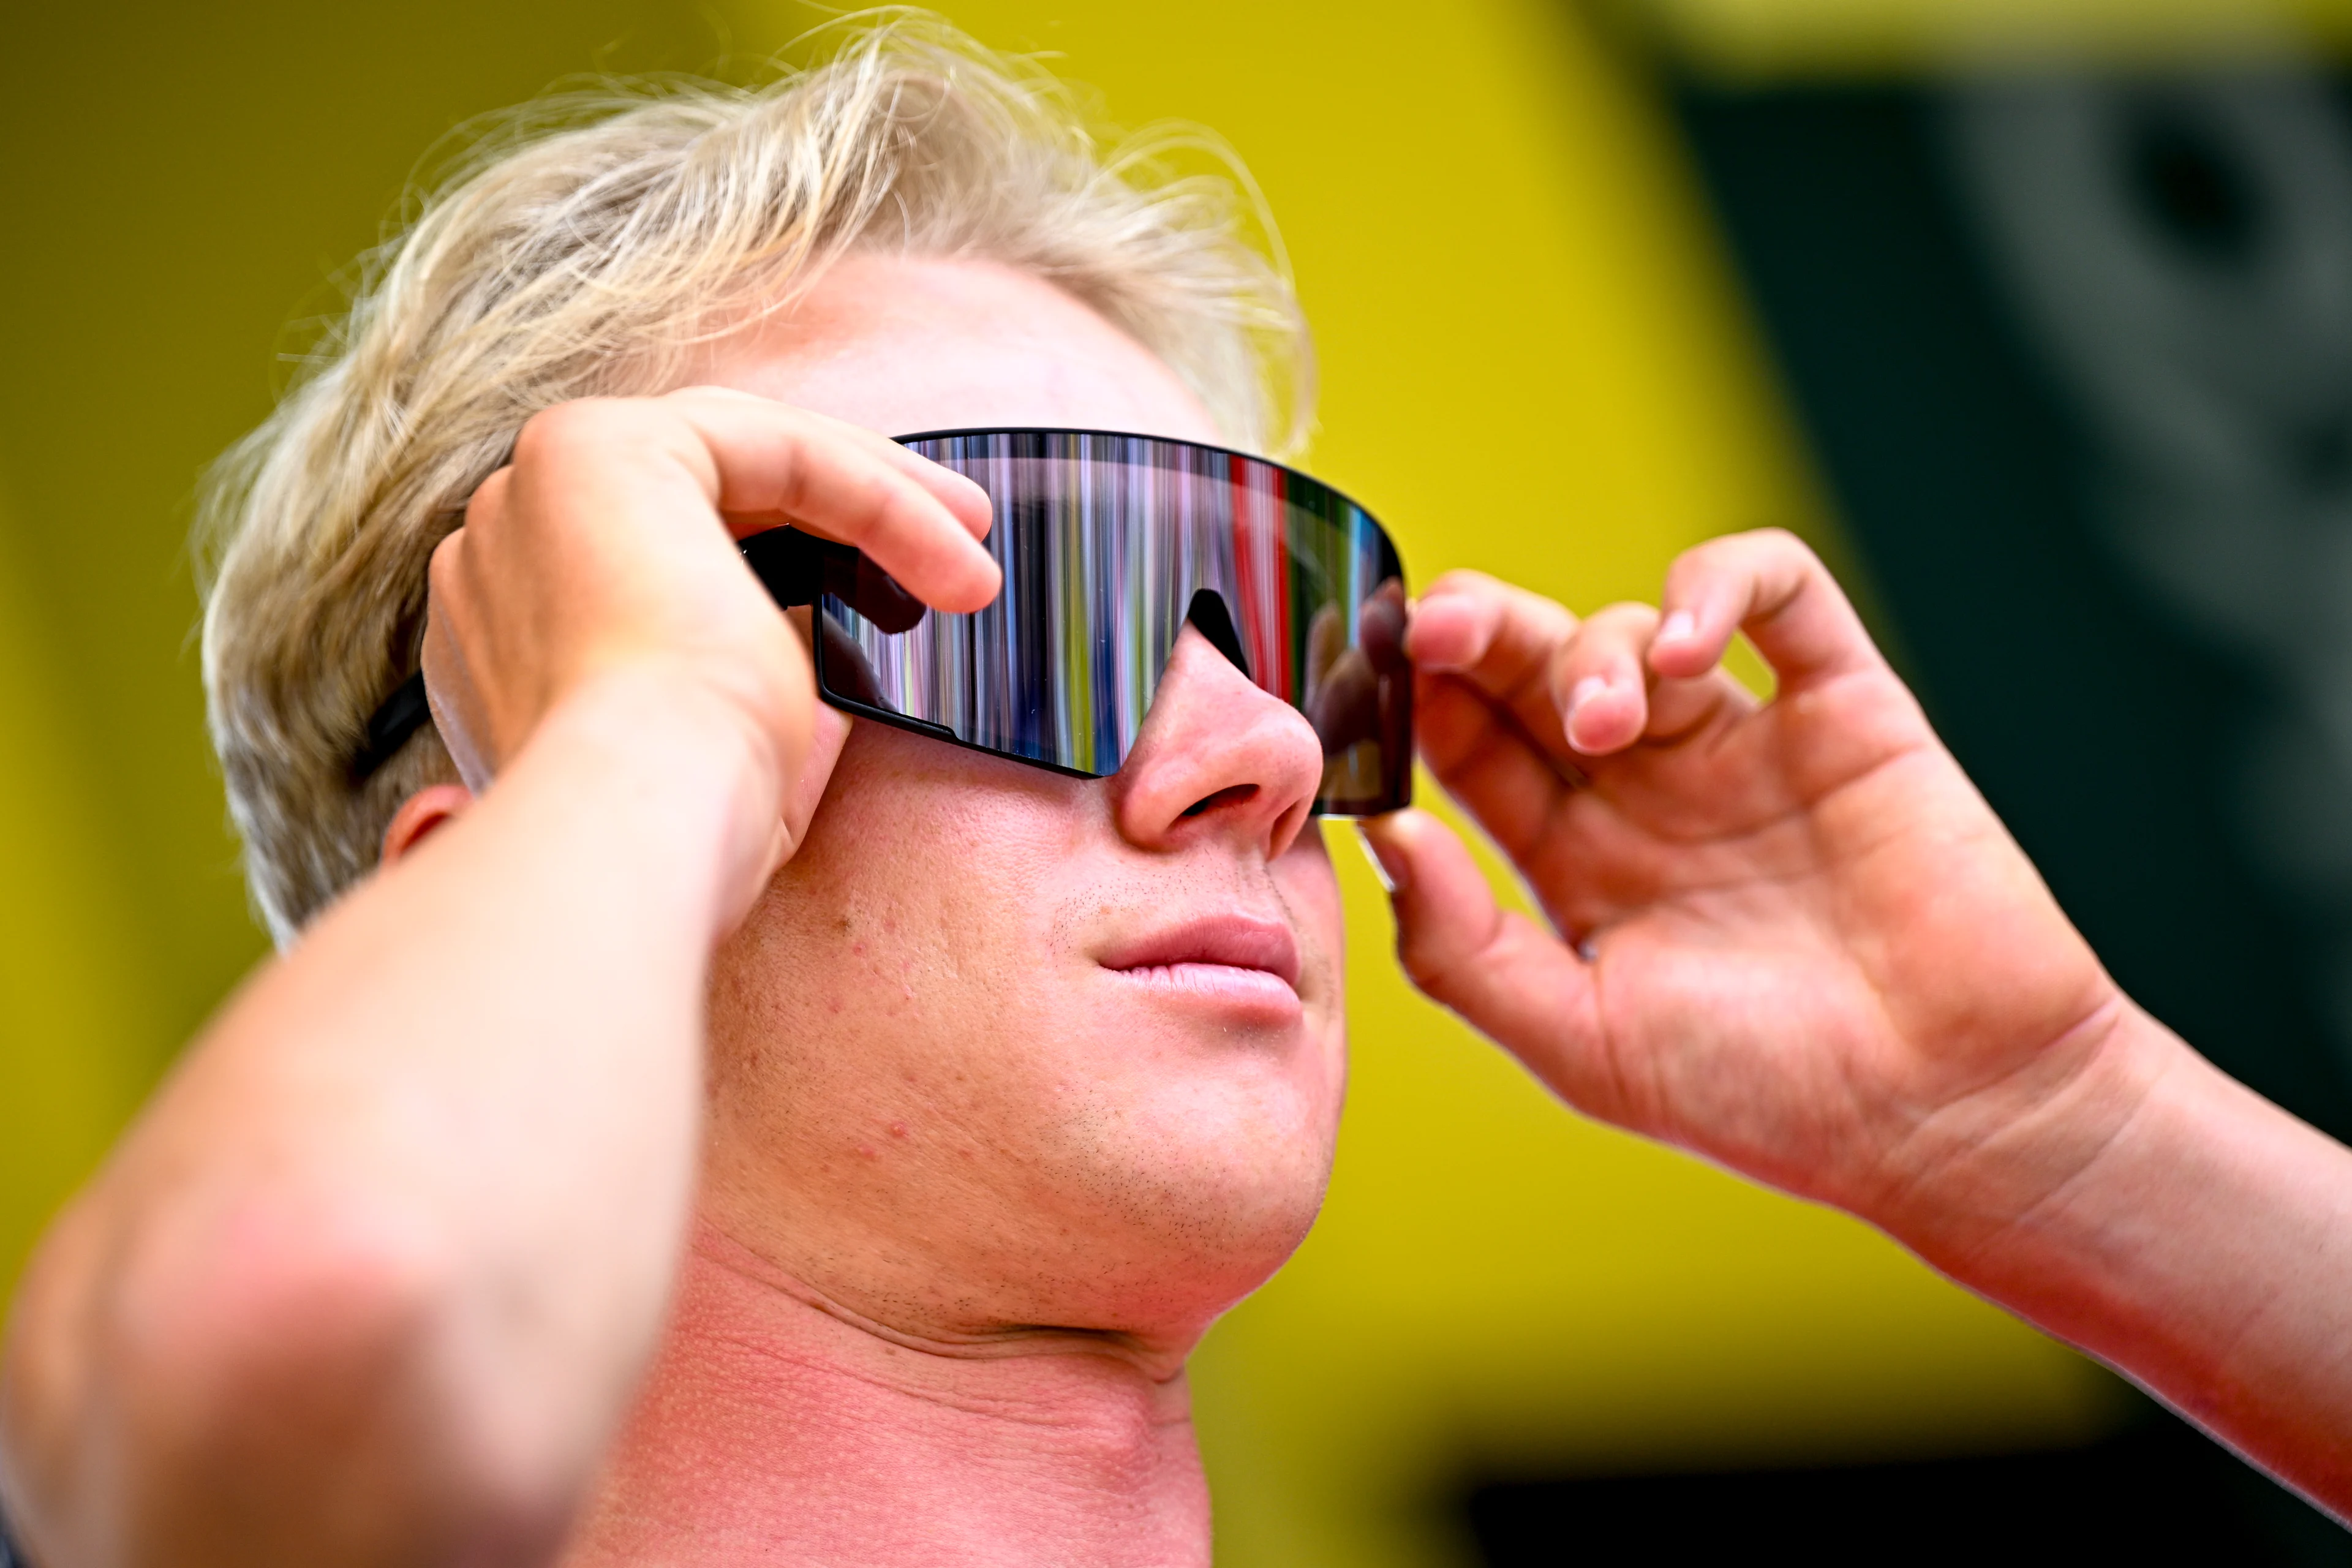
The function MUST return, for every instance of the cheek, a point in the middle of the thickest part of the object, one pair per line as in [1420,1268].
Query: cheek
[893,945]
[1310,890]
[944,839]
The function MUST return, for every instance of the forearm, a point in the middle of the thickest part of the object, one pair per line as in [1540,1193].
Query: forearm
[410,1207]
[2197,1237]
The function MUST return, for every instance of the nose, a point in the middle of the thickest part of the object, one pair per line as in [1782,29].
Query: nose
[1216,758]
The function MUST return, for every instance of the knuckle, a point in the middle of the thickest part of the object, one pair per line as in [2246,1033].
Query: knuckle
[1467,583]
[1776,550]
[1551,621]
[1526,601]
[708,391]
[1616,623]
[441,567]
[1423,966]
[582,425]
[881,510]
[549,431]
[1701,561]
[488,498]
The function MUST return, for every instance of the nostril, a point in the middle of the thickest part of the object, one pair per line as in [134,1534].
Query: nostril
[1233,795]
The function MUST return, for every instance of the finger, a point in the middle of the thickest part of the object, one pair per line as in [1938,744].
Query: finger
[1505,975]
[1514,788]
[775,464]
[1680,709]
[962,495]
[1467,621]
[828,733]
[1768,585]
[1608,700]
[450,694]
[1500,640]
[1453,622]
[1598,683]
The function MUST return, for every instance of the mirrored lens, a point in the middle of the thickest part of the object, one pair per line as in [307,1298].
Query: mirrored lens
[1110,545]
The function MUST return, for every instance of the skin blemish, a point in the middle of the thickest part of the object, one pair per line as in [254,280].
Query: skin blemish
[897,1130]
[867,1152]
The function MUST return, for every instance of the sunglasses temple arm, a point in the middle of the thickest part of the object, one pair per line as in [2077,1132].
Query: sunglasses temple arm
[789,563]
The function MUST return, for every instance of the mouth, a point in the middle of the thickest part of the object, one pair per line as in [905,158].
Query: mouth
[1234,961]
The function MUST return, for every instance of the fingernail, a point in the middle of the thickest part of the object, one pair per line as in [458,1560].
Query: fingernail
[1390,877]
[1680,626]
[1585,690]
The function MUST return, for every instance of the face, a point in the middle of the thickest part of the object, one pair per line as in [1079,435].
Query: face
[1001,1050]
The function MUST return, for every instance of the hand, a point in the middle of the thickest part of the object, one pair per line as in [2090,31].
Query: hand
[604,549]
[1792,936]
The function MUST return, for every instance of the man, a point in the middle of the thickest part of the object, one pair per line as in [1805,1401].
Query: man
[723,1132]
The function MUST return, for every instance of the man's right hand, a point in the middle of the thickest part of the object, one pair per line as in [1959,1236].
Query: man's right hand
[372,1279]
[604,551]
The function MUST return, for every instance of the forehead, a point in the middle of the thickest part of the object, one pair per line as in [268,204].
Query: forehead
[901,345]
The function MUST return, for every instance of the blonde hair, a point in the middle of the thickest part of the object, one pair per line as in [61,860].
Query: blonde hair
[585,250]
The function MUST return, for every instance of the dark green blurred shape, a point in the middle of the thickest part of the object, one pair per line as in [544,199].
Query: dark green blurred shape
[2112,717]
[2104,726]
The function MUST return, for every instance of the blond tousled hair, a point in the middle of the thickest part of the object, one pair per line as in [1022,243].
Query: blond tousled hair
[586,248]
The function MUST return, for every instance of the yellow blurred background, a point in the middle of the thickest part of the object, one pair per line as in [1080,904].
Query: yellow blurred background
[1535,362]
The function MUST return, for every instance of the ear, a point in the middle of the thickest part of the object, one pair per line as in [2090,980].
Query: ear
[420,814]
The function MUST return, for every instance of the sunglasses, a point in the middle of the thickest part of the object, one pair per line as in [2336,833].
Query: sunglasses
[1110,546]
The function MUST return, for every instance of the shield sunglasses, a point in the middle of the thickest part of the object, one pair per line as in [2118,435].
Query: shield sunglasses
[1110,545]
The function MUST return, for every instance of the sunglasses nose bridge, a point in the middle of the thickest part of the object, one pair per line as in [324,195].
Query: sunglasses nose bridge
[1209,616]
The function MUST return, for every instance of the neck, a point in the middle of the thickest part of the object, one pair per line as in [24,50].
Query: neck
[772,1429]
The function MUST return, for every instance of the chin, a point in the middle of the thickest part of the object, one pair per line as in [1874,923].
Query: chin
[1181,1283]
[1205,1187]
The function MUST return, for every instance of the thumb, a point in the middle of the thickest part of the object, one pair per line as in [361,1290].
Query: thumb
[449,695]
[828,731]
[1505,975]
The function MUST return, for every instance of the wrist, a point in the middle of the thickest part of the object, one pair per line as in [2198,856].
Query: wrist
[2193,1240]
[1983,1176]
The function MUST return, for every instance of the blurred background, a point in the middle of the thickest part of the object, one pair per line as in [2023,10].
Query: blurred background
[2035,315]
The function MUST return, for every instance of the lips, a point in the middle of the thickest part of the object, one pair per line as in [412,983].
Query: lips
[1228,943]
